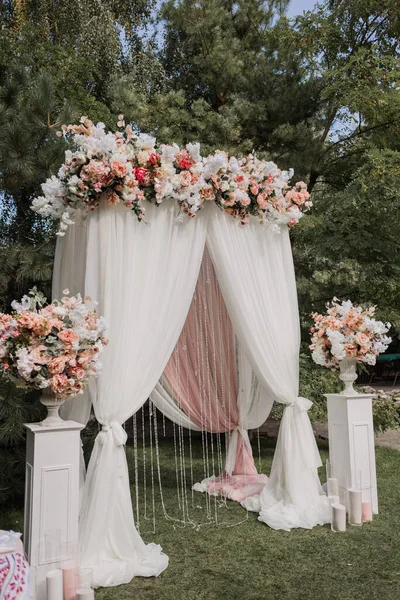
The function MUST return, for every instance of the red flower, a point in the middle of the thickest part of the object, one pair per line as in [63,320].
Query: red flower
[153,160]
[185,163]
[141,174]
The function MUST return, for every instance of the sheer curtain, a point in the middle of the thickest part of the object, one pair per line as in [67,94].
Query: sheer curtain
[255,270]
[69,273]
[201,385]
[144,277]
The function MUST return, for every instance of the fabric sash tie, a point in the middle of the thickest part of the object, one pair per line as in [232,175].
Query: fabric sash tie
[301,424]
[118,433]
[232,448]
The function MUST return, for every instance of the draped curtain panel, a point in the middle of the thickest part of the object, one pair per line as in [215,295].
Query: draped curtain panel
[144,278]
[69,273]
[202,377]
[255,270]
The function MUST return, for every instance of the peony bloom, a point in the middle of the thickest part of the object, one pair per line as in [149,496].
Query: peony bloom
[141,175]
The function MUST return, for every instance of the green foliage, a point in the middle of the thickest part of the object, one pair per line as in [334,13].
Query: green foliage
[16,408]
[386,412]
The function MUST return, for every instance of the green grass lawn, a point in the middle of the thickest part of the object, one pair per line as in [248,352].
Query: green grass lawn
[252,562]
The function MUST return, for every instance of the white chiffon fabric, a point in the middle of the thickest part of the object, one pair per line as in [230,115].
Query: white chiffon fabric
[144,277]
[255,270]
[69,274]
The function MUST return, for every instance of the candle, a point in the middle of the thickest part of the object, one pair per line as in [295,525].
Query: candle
[333,487]
[338,517]
[69,583]
[54,585]
[334,500]
[355,501]
[85,594]
[366,511]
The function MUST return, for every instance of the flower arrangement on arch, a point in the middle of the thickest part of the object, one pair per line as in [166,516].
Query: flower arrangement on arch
[128,168]
[347,331]
[56,346]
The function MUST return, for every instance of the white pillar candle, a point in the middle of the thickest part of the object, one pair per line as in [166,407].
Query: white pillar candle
[333,487]
[366,511]
[338,517]
[54,585]
[355,507]
[85,594]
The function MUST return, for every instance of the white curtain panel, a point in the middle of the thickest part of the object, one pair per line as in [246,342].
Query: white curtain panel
[69,273]
[255,270]
[254,405]
[144,276]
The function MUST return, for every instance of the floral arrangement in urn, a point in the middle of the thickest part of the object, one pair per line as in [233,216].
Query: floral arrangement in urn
[128,168]
[347,334]
[52,347]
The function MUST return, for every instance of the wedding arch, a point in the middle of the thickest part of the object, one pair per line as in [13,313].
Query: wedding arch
[202,318]
[145,278]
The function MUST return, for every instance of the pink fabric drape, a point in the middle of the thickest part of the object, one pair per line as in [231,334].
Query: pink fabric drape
[202,375]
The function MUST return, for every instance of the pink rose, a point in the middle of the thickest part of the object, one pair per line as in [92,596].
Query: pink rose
[76,372]
[141,175]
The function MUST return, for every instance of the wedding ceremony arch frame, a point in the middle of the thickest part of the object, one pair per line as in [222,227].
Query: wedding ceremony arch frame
[144,277]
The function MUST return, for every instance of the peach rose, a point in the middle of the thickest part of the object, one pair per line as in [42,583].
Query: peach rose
[118,168]
[84,359]
[112,198]
[207,194]
[57,365]
[68,336]
[185,177]
[362,340]
[41,327]
[351,350]
[59,384]
[27,320]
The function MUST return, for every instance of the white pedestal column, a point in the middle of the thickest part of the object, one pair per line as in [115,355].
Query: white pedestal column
[352,443]
[51,495]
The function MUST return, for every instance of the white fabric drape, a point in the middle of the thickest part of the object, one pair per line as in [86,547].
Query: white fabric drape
[144,278]
[69,273]
[254,405]
[255,271]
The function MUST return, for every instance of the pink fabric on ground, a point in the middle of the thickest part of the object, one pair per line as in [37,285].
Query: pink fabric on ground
[202,375]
